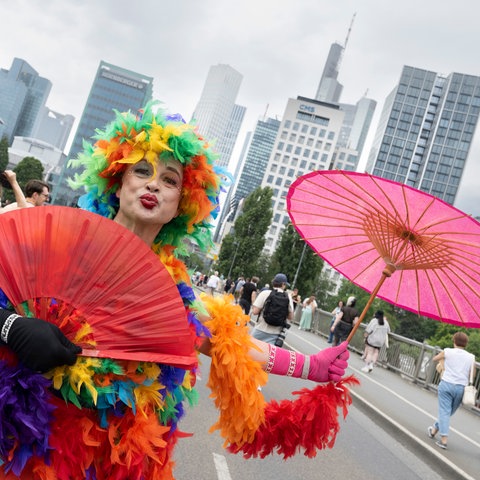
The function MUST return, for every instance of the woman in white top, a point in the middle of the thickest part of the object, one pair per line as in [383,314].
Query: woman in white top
[376,335]
[458,363]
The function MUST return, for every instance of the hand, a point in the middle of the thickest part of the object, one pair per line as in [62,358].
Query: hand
[329,364]
[10,175]
[40,345]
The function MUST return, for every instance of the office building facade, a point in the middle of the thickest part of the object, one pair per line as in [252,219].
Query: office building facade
[306,141]
[113,88]
[23,94]
[426,131]
[53,127]
[250,170]
[216,115]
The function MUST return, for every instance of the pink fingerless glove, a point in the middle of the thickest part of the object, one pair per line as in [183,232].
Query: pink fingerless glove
[325,366]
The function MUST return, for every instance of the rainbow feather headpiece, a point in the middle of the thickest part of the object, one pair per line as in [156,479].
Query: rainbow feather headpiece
[151,136]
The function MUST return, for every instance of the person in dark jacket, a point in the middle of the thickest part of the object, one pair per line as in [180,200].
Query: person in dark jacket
[344,322]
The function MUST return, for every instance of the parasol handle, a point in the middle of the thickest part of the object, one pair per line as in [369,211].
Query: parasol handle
[387,272]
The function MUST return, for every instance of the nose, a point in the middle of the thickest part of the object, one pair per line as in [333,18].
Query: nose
[153,185]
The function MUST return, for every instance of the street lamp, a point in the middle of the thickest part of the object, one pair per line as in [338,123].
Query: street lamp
[233,259]
[299,265]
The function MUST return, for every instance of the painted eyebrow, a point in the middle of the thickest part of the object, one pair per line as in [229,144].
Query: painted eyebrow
[173,169]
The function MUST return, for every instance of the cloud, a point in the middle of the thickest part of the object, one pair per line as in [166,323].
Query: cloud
[279,47]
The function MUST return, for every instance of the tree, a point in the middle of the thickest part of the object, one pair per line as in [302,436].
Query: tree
[294,255]
[29,168]
[241,250]
[444,333]
[3,153]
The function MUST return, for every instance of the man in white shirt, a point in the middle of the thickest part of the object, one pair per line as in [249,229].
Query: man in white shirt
[36,194]
[212,283]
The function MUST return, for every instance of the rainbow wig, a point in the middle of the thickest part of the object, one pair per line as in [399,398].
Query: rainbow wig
[151,136]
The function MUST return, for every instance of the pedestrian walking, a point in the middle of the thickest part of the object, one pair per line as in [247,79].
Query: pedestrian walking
[334,312]
[458,365]
[376,336]
[344,321]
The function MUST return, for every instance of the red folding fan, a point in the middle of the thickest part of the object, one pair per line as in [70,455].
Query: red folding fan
[84,272]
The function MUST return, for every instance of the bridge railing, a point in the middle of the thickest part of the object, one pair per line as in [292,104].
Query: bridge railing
[409,358]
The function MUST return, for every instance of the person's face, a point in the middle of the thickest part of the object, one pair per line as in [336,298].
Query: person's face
[41,198]
[150,198]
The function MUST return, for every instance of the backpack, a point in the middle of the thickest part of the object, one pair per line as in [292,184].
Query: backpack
[275,309]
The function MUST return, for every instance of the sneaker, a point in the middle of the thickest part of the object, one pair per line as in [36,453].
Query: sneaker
[438,443]
[365,369]
[430,432]
[370,368]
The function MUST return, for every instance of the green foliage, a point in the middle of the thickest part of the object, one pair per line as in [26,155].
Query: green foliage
[408,324]
[298,262]
[241,251]
[444,333]
[414,326]
[29,168]
[193,261]
[3,154]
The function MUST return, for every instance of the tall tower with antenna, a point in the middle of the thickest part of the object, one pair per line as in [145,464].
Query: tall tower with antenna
[330,89]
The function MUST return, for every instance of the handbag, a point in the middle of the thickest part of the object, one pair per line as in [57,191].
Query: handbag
[440,367]
[470,392]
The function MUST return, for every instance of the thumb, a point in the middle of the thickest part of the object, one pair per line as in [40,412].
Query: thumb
[341,351]
[71,350]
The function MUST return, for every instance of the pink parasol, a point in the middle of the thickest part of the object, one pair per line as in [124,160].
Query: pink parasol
[398,243]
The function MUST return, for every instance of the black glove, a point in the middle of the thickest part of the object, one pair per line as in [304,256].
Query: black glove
[39,345]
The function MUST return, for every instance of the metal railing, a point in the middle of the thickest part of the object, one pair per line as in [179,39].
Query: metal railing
[409,358]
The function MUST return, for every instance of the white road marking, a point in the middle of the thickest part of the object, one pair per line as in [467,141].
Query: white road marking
[392,392]
[222,468]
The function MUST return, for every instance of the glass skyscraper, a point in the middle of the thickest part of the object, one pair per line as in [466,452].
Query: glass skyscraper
[426,130]
[216,115]
[23,93]
[113,88]
[250,171]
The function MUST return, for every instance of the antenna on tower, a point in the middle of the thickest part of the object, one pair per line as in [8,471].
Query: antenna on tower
[266,111]
[349,30]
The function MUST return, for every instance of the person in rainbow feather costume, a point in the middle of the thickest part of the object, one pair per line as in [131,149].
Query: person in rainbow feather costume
[110,419]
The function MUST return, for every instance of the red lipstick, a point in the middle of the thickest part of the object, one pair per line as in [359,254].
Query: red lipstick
[149,201]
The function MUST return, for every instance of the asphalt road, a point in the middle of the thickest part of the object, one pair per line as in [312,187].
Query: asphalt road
[364,450]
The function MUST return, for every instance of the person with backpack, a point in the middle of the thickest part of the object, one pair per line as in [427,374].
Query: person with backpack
[273,307]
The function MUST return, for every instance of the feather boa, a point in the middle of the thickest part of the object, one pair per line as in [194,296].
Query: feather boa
[309,423]
[119,420]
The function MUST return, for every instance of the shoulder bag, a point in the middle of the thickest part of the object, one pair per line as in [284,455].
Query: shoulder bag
[470,392]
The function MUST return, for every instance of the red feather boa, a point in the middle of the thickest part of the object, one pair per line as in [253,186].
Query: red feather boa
[310,422]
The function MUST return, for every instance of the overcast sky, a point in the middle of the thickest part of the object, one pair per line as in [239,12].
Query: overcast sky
[279,46]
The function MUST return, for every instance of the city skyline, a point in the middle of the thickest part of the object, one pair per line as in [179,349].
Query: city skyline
[280,48]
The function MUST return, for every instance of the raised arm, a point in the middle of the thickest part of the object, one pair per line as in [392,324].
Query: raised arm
[11,176]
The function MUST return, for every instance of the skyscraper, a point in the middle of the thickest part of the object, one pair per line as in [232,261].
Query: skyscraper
[426,130]
[113,88]
[330,89]
[217,116]
[23,93]
[250,170]
[53,127]
[306,141]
